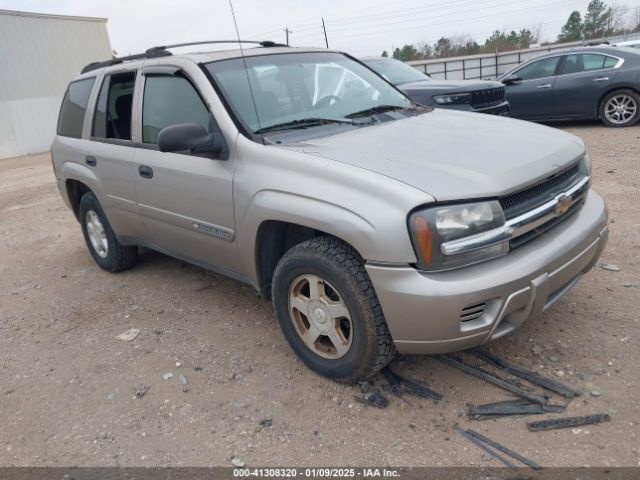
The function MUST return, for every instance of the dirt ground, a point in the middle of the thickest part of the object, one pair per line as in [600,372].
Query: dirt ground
[67,385]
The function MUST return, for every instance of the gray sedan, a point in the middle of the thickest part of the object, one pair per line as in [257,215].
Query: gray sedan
[581,83]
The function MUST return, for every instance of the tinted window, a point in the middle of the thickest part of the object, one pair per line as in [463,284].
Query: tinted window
[585,62]
[540,69]
[73,108]
[113,109]
[169,100]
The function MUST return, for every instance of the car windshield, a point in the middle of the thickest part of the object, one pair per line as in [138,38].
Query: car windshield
[396,71]
[298,86]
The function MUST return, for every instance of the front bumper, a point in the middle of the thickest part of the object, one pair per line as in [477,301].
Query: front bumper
[423,310]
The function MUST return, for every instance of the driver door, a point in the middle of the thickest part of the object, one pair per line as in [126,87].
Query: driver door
[531,97]
[185,201]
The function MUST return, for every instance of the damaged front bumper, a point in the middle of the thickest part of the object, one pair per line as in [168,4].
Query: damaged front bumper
[426,312]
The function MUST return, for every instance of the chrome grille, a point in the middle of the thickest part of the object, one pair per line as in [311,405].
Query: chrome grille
[525,200]
[539,220]
[487,97]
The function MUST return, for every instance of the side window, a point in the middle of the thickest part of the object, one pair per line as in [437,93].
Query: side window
[585,62]
[610,62]
[169,100]
[539,69]
[112,118]
[74,107]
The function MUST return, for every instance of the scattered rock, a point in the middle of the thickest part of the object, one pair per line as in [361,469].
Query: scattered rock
[553,359]
[141,390]
[129,335]
[537,350]
[183,380]
[596,393]
[371,396]
[237,462]
[267,422]
[167,376]
[610,267]
[178,364]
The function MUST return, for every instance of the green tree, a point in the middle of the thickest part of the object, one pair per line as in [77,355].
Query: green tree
[572,30]
[406,53]
[384,54]
[443,48]
[526,38]
[596,19]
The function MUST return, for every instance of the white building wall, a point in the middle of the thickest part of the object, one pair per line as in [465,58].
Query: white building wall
[39,55]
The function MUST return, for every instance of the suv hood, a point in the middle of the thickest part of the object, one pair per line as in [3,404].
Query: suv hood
[449,86]
[452,155]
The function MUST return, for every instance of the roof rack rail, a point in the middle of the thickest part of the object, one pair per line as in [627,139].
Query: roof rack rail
[264,43]
[161,51]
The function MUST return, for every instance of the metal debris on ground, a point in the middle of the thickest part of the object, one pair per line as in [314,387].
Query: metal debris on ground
[141,390]
[371,396]
[397,381]
[483,446]
[505,408]
[488,377]
[129,335]
[503,449]
[533,377]
[567,422]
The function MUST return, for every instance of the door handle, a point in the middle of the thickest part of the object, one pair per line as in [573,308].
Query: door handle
[90,160]
[145,172]
[601,79]
[544,85]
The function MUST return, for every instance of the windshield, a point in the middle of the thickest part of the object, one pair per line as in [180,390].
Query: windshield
[396,71]
[298,86]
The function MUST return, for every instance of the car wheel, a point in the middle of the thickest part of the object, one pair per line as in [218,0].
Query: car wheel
[620,108]
[100,239]
[329,312]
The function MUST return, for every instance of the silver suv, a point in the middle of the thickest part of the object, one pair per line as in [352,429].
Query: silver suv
[374,224]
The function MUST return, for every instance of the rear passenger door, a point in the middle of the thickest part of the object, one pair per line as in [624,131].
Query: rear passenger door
[112,151]
[185,201]
[583,79]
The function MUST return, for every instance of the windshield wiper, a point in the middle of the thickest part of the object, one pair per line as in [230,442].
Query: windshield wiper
[377,109]
[303,123]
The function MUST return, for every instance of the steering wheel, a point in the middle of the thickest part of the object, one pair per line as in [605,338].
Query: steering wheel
[326,101]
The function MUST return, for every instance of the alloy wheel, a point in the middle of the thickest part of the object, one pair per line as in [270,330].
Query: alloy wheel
[320,316]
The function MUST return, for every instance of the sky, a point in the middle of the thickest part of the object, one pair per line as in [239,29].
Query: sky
[359,27]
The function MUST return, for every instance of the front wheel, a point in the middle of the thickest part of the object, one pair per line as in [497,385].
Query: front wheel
[620,108]
[329,312]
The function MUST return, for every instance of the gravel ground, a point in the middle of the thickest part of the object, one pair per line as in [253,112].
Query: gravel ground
[68,386]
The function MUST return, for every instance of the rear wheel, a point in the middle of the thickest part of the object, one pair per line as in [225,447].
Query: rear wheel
[100,239]
[620,108]
[328,310]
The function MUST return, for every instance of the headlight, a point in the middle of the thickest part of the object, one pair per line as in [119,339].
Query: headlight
[452,99]
[455,235]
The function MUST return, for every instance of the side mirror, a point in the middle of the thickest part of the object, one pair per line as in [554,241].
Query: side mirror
[189,137]
[511,80]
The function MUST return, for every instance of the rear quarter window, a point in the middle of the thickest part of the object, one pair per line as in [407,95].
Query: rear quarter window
[74,106]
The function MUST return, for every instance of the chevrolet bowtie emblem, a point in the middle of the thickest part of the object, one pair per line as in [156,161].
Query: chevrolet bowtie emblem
[564,203]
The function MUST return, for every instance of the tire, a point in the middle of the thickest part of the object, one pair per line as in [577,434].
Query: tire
[627,117]
[105,248]
[358,344]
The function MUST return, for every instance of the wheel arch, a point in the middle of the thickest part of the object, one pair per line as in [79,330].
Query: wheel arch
[276,221]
